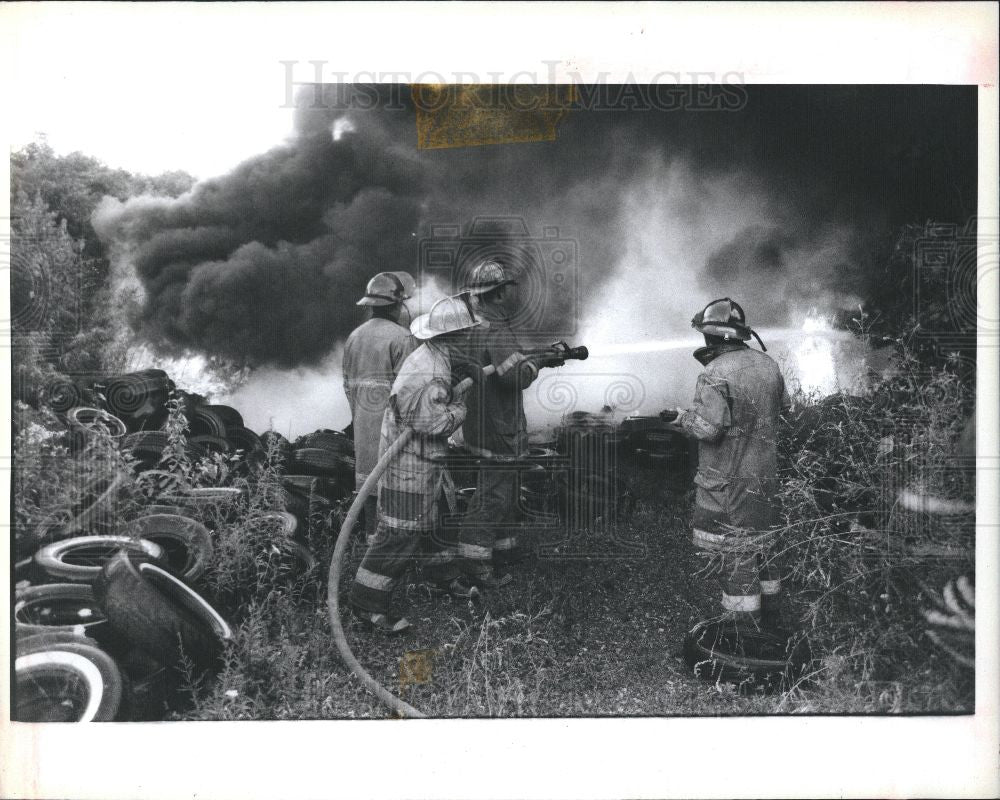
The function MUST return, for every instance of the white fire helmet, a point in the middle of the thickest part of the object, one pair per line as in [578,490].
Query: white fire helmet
[450,314]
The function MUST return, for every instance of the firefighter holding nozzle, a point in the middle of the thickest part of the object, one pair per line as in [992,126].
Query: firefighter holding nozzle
[495,429]
[738,401]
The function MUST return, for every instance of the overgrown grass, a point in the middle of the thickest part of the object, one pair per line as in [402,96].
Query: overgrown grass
[595,626]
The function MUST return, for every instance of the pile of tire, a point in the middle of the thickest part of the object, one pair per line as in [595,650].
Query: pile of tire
[590,489]
[133,408]
[319,470]
[102,623]
[138,398]
[653,441]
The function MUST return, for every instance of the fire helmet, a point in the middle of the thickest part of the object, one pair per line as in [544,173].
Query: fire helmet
[447,315]
[388,288]
[725,318]
[485,277]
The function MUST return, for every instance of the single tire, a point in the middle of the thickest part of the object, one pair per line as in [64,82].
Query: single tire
[284,520]
[91,421]
[205,497]
[205,422]
[65,681]
[186,543]
[297,560]
[160,613]
[230,417]
[244,439]
[314,461]
[719,651]
[138,394]
[250,449]
[68,607]
[81,558]
[309,485]
[331,441]
[146,447]
[155,420]
[162,508]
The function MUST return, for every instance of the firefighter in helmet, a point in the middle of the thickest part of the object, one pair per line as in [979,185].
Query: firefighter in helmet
[738,401]
[416,488]
[373,355]
[495,430]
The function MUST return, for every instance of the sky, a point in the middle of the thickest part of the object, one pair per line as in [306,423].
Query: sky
[193,99]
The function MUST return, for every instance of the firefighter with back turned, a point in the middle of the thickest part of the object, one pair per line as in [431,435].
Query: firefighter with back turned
[373,355]
[737,405]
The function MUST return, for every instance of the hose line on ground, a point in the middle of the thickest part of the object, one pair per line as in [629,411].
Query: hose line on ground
[336,563]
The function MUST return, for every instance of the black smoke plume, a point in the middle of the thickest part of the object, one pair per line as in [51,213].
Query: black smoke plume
[263,265]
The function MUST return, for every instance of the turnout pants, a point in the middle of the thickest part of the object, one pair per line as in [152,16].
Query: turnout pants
[488,535]
[750,580]
[392,552]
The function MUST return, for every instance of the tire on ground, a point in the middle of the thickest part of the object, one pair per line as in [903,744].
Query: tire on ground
[205,422]
[81,558]
[67,607]
[717,651]
[160,613]
[316,461]
[65,680]
[186,543]
[231,418]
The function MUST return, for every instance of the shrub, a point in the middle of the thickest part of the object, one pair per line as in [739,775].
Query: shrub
[859,562]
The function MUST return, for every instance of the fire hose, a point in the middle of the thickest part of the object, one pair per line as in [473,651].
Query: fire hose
[401,707]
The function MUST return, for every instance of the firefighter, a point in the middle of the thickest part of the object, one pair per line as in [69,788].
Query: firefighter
[495,430]
[416,485]
[373,355]
[738,401]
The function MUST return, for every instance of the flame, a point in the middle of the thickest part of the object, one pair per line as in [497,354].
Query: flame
[814,357]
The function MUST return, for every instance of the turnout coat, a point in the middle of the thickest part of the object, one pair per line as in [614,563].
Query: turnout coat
[421,399]
[373,355]
[496,423]
[735,417]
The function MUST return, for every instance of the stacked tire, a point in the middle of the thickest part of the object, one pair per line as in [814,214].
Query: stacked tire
[103,622]
[320,469]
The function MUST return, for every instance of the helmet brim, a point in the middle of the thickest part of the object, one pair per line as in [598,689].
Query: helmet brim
[375,301]
[421,328]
